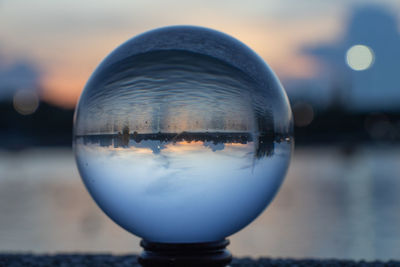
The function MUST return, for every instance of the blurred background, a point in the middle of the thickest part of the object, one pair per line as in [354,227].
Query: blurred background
[338,60]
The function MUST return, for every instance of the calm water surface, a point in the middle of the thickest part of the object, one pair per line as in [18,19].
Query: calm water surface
[331,204]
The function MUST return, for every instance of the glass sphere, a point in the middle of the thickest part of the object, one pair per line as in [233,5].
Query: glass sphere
[183,135]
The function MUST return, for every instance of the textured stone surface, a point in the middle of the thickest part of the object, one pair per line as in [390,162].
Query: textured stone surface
[63,260]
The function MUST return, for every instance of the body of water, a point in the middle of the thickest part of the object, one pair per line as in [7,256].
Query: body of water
[332,204]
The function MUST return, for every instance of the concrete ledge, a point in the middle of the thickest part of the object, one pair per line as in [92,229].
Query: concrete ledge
[16,260]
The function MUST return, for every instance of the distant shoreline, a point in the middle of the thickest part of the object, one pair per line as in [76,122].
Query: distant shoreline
[264,143]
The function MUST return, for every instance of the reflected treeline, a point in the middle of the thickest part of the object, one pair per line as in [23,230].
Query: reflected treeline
[264,144]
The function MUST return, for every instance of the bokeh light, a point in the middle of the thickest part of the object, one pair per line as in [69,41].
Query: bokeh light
[359,57]
[379,127]
[303,114]
[26,101]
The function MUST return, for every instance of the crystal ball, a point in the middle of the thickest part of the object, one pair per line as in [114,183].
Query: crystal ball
[183,135]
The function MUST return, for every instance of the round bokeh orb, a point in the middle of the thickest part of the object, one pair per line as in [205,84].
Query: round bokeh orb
[183,135]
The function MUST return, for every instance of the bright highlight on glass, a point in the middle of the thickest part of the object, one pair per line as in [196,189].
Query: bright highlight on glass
[183,135]
[25,102]
[359,57]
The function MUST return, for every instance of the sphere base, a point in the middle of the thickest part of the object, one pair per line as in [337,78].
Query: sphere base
[212,254]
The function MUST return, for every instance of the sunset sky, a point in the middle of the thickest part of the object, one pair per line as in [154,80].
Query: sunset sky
[66,40]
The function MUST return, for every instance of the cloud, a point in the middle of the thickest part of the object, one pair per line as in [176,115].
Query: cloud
[17,75]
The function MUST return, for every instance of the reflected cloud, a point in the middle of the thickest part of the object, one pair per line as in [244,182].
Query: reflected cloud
[214,146]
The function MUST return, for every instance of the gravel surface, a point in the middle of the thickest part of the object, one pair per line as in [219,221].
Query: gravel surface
[63,260]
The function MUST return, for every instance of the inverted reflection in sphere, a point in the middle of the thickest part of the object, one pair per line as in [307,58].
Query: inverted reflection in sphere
[183,135]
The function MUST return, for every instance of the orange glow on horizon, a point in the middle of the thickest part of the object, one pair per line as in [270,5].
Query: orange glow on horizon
[62,91]
[185,146]
[66,73]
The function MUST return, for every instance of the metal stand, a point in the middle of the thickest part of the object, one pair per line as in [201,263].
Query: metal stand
[212,254]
